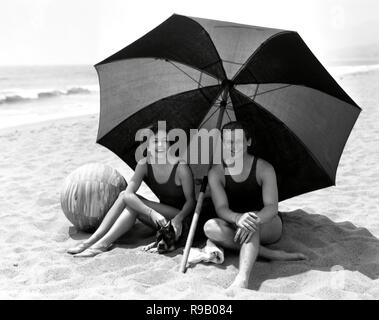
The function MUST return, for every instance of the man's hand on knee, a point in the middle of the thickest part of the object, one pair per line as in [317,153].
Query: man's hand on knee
[243,235]
[248,221]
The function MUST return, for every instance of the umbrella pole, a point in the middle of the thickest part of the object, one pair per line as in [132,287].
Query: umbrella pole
[191,234]
[199,204]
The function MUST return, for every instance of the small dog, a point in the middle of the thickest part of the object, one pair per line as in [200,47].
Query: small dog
[165,240]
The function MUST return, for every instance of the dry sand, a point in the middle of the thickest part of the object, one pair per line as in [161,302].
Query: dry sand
[338,228]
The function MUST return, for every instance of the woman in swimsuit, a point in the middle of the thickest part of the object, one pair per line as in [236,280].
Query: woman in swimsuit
[246,203]
[168,177]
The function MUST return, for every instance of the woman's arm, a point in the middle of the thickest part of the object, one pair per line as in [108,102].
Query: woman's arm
[133,185]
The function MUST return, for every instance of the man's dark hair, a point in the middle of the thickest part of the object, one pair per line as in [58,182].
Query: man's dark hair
[233,125]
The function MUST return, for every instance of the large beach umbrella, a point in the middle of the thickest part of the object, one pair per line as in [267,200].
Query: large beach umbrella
[201,73]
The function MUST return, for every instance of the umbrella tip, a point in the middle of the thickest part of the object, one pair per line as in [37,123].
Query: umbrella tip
[227,83]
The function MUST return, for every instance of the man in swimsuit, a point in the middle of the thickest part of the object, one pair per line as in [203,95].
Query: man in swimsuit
[246,204]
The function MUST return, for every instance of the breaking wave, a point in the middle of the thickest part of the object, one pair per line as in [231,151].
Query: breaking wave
[17,96]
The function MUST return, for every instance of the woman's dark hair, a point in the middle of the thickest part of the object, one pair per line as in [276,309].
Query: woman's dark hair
[154,127]
[233,125]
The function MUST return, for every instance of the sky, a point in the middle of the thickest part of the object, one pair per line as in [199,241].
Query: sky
[87,31]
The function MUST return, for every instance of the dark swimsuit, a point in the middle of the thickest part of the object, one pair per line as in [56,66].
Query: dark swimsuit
[246,195]
[169,192]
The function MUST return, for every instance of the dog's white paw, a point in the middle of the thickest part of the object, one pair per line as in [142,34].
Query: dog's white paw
[153,250]
[146,248]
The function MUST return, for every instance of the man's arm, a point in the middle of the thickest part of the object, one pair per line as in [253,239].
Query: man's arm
[186,179]
[219,198]
[269,192]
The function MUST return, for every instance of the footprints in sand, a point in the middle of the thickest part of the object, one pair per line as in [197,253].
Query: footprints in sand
[154,276]
[56,274]
[8,273]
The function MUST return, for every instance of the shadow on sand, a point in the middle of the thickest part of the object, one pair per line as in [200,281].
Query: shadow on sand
[326,243]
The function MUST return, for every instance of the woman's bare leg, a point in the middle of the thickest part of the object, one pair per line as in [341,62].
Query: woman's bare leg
[126,220]
[123,224]
[165,210]
[109,219]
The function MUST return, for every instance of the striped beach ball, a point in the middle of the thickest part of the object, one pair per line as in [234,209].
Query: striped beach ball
[88,193]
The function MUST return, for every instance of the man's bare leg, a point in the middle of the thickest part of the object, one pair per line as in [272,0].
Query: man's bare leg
[271,233]
[222,233]
[248,255]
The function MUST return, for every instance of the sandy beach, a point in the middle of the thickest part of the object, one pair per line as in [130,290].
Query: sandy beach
[338,227]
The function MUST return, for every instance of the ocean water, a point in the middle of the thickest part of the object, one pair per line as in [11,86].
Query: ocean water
[30,94]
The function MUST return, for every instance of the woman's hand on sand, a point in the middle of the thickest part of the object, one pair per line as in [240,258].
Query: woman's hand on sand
[248,221]
[177,224]
[157,218]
